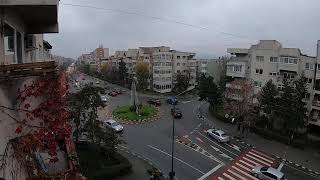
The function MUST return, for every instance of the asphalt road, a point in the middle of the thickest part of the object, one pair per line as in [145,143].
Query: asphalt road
[153,141]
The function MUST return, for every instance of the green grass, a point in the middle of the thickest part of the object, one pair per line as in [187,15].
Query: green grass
[125,113]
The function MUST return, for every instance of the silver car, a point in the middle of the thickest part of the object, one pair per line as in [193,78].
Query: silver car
[114,125]
[104,98]
[268,173]
[219,135]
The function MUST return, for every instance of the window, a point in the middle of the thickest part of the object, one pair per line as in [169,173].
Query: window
[286,60]
[183,64]
[309,66]
[274,59]
[257,84]
[260,58]
[178,64]
[259,71]
[178,57]
[237,68]
[9,44]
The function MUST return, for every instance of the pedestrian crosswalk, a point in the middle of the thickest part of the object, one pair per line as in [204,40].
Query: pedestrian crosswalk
[241,167]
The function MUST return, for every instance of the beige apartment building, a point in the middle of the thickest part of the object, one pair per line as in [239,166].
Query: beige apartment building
[269,60]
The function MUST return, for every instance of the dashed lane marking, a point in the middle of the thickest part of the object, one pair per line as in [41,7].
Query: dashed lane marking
[199,139]
[210,172]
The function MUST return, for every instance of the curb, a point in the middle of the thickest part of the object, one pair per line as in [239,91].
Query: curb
[139,121]
[147,160]
[303,168]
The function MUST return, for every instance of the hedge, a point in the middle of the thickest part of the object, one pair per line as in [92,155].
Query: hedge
[298,142]
[120,165]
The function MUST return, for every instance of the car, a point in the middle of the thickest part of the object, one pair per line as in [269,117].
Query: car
[176,113]
[172,100]
[118,91]
[154,101]
[98,82]
[114,125]
[104,98]
[112,93]
[265,172]
[218,134]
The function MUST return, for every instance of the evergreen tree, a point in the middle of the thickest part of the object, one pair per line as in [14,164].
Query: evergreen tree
[182,83]
[300,110]
[268,97]
[122,72]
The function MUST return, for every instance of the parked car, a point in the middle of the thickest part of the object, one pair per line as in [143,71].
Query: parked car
[112,93]
[104,98]
[114,125]
[97,82]
[176,113]
[264,172]
[154,101]
[118,91]
[219,135]
[172,100]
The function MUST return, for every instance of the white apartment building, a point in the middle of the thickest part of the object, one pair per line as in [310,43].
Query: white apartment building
[269,60]
[162,72]
[315,107]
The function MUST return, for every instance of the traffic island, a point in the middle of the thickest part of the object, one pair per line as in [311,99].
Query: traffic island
[127,115]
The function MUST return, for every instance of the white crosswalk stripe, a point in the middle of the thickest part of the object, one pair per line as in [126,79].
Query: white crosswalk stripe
[242,166]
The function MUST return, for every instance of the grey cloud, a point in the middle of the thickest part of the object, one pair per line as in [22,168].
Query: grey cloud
[292,22]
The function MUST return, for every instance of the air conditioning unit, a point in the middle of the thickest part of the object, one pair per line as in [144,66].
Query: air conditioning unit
[30,42]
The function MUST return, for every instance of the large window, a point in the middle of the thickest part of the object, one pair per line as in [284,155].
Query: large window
[260,58]
[237,68]
[309,66]
[9,45]
[274,59]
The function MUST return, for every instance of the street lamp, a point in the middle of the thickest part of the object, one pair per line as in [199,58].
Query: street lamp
[172,173]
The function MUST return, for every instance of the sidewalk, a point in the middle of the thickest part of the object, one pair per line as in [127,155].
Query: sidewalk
[139,168]
[308,157]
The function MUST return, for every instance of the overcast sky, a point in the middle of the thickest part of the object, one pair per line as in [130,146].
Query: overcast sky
[206,27]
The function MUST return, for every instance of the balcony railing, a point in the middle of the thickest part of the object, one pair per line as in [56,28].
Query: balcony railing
[316,103]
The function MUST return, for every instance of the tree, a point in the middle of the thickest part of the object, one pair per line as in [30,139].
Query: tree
[300,92]
[238,99]
[268,97]
[85,68]
[122,72]
[142,73]
[104,68]
[182,83]
[209,90]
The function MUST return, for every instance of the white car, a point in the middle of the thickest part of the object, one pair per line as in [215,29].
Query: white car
[219,135]
[97,82]
[114,125]
[104,98]
[268,173]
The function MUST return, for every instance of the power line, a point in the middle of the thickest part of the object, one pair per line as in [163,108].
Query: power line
[156,18]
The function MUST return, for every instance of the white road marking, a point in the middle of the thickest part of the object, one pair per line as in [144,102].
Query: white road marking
[250,161]
[243,167]
[220,178]
[226,156]
[235,174]
[259,160]
[218,144]
[260,157]
[229,177]
[251,166]
[262,154]
[199,139]
[176,159]
[210,172]
[216,149]
[233,147]
[249,175]
[185,102]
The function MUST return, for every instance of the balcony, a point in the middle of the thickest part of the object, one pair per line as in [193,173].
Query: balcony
[315,121]
[27,69]
[39,16]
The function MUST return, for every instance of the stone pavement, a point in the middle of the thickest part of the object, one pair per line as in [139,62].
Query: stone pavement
[308,157]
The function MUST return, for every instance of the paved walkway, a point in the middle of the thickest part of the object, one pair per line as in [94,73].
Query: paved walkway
[307,157]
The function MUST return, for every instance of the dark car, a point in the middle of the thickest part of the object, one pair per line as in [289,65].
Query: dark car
[112,93]
[118,91]
[172,100]
[155,102]
[176,113]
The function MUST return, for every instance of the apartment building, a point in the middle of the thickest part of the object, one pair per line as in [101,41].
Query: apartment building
[23,59]
[269,60]
[315,96]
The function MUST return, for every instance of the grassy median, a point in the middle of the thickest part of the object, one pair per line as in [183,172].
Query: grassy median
[124,112]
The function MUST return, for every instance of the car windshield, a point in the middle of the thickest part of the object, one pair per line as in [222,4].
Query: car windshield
[223,135]
[264,168]
[114,124]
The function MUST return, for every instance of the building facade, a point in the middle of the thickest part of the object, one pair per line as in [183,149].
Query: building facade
[269,60]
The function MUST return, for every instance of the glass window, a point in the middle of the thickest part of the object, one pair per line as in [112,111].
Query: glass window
[286,60]
[291,60]
[307,66]
[295,61]
[261,71]
[183,64]
[282,60]
[260,58]
[178,57]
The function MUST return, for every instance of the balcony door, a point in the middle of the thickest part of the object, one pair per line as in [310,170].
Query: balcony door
[19,47]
